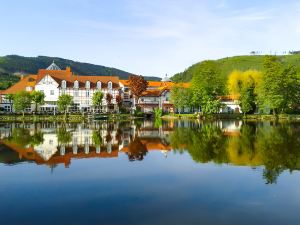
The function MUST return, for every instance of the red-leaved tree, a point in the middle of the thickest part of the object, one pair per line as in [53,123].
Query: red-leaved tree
[137,85]
[109,99]
[119,100]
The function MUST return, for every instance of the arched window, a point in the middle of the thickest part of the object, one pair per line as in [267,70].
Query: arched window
[109,85]
[76,84]
[64,84]
[87,85]
[99,85]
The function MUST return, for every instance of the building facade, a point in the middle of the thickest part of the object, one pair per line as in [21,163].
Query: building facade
[54,82]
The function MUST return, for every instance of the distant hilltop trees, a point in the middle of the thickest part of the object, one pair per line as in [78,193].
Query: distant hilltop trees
[275,53]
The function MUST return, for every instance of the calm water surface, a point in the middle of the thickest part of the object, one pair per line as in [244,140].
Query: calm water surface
[150,172]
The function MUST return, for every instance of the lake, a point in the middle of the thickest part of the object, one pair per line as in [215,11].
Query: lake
[150,172]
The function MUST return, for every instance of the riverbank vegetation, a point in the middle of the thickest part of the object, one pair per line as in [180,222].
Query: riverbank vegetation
[275,88]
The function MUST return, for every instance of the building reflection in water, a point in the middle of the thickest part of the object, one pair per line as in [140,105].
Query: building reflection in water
[275,147]
[60,143]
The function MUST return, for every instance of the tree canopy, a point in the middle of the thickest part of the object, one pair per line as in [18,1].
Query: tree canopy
[22,101]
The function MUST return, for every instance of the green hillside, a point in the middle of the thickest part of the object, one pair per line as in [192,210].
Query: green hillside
[12,64]
[226,65]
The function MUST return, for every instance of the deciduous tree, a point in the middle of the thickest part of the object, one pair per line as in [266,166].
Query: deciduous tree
[137,85]
[64,101]
[207,85]
[10,98]
[22,101]
[38,98]
[97,99]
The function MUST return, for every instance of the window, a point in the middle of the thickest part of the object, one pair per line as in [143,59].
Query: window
[87,93]
[99,85]
[76,84]
[76,93]
[28,88]
[64,84]
[109,85]
[87,85]
[51,92]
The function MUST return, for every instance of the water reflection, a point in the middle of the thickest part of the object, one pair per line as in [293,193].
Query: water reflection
[273,147]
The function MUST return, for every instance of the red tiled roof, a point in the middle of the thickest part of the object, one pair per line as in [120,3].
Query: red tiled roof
[70,78]
[28,81]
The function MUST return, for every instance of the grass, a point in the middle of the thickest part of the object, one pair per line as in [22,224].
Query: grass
[227,65]
[252,117]
[76,118]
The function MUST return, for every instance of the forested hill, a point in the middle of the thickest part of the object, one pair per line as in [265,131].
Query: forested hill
[227,65]
[11,64]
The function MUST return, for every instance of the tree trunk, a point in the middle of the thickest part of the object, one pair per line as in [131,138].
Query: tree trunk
[274,112]
[35,109]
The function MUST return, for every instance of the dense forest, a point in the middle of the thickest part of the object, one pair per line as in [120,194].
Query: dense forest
[242,63]
[14,64]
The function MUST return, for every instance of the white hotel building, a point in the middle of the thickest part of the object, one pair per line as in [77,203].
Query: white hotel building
[54,81]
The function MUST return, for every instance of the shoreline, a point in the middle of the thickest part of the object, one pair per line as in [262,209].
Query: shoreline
[72,118]
[75,118]
[252,117]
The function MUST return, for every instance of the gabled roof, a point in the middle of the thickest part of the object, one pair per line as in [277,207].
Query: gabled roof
[70,78]
[28,81]
[53,66]
[159,84]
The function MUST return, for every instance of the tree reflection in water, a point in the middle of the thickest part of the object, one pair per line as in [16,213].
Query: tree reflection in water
[136,150]
[275,147]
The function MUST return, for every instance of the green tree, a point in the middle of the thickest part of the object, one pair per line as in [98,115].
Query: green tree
[22,101]
[63,136]
[97,138]
[181,97]
[64,101]
[247,99]
[97,99]
[207,85]
[38,98]
[10,98]
[279,89]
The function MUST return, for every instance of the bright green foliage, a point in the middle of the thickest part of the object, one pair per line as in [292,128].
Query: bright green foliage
[22,101]
[207,85]
[38,98]
[97,99]
[10,98]
[157,112]
[63,136]
[96,137]
[247,99]
[64,101]
[181,97]
[211,105]
[279,89]
[242,63]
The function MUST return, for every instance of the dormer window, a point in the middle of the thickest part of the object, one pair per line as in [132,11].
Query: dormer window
[87,85]
[109,85]
[99,85]
[64,84]
[76,84]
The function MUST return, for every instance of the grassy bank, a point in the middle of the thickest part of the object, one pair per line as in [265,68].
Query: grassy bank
[41,118]
[256,117]
[76,118]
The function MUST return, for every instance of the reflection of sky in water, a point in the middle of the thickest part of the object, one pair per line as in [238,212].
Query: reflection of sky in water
[156,190]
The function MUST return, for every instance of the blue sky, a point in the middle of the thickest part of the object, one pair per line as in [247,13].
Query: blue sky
[152,37]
